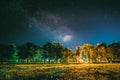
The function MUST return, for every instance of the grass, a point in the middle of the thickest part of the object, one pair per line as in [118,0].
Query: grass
[60,72]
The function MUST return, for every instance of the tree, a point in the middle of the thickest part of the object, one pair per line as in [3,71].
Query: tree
[114,51]
[14,54]
[78,54]
[38,54]
[93,54]
[102,52]
[26,51]
[5,51]
[52,51]
[48,51]
[66,54]
[87,48]
[58,48]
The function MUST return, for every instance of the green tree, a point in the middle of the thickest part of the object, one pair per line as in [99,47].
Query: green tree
[48,52]
[14,54]
[26,52]
[52,51]
[58,48]
[37,56]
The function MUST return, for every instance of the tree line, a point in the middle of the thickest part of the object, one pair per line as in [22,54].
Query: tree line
[55,52]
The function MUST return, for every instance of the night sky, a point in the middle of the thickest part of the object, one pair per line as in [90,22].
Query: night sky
[71,22]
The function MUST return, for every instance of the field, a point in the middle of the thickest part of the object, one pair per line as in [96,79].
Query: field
[60,72]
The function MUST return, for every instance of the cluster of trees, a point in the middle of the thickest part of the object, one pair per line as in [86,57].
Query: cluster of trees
[54,52]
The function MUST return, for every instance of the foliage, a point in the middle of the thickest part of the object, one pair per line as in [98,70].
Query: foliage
[14,54]
[54,52]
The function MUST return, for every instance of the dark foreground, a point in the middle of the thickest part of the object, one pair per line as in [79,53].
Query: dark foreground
[60,72]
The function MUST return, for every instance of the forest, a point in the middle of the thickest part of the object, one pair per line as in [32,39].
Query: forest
[55,52]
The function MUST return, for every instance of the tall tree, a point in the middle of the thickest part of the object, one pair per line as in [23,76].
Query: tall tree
[4,53]
[38,54]
[48,52]
[26,51]
[87,51]
[53,51]
[79,56]
[66,54]
[58,48]
[114,51]
[102,52]
[14,54]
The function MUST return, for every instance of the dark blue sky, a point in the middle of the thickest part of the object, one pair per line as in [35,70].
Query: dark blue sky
[71,22]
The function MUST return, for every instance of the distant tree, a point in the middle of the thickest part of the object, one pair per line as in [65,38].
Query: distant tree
[78,54]
[102,52]
[48,52]
[14,54]
[58,48]
[5,51]
[2,48]
[52,51]
[114,51]
[26,51]
[38,55]
[55,52]
[87,51]
[93,54]
[66,54]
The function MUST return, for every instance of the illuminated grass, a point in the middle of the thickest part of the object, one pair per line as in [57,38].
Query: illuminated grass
[60,72]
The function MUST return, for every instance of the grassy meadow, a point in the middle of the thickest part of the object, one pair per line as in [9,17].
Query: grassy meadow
[60,72]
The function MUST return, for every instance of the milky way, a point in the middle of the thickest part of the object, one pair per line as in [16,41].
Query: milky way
[72,22]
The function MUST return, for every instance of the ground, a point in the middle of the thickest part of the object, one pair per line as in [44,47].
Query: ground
[60,71]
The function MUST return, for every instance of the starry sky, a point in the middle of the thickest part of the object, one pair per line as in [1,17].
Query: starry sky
[71,22]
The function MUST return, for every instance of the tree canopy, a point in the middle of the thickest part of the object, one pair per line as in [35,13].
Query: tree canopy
[55,52]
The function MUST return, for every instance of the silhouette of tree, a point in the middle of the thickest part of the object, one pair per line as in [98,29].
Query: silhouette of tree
[26,51]
[53,51]
[5,52]
[48,51]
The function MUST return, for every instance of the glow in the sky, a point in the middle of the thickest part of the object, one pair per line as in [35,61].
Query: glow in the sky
[67,38]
